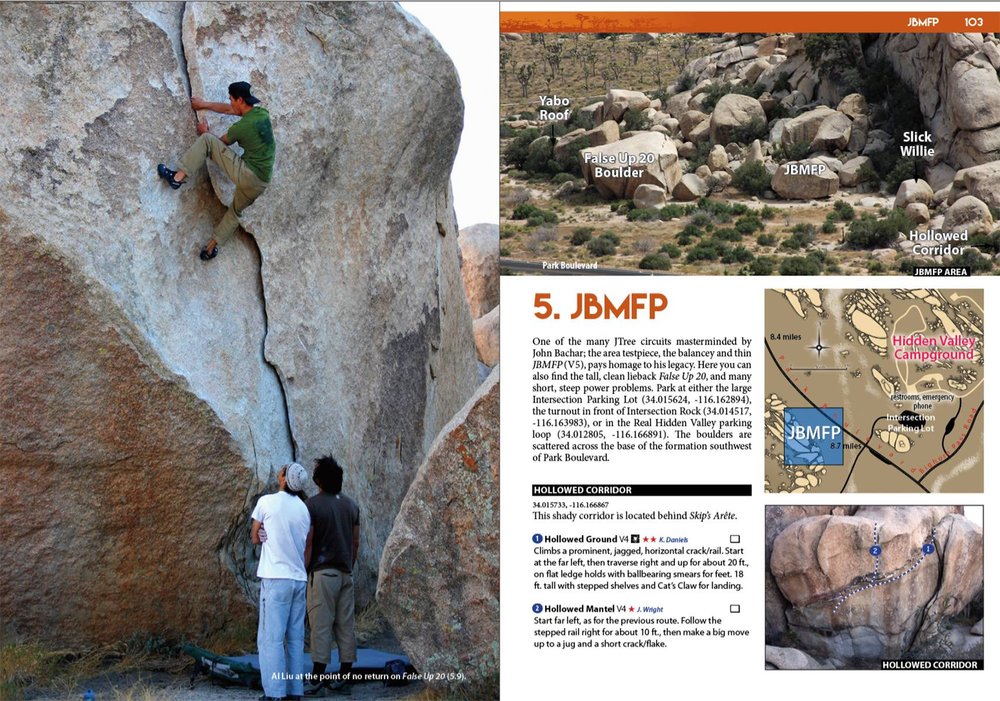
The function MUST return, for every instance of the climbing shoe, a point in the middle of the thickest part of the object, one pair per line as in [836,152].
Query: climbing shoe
[168,175]
[209,253]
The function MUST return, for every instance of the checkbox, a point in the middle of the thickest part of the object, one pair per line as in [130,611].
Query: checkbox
[734,608]
[734,539]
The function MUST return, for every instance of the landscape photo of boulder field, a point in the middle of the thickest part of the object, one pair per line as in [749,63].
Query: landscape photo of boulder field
[750,154]
[873,587]
[152,396]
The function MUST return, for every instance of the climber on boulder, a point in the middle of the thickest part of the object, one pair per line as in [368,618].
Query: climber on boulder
[251,173]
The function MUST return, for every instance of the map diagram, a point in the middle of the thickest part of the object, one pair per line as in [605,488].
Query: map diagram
[873,390]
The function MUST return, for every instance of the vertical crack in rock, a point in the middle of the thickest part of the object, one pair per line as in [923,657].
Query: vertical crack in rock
[181,56]
[263,352]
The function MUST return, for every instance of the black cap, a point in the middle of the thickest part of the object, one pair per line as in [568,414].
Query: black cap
[242,89]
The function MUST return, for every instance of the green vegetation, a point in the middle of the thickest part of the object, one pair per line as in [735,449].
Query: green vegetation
[843,210]
[752,178]
[671,249]
[795,152]
[799,265]
[716,91]
[534,215]
[869,232]
[581,235]
[655,261]
[604,245]
[746,134]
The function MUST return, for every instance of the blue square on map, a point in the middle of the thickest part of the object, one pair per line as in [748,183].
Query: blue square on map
[814,436]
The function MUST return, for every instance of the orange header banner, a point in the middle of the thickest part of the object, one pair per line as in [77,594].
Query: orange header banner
[749,22]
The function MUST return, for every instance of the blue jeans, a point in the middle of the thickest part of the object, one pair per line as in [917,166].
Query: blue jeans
[281,635]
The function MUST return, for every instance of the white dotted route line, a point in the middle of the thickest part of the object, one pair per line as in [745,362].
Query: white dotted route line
[873,578]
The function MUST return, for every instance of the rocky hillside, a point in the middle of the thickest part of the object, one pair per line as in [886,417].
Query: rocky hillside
[149,396]
[794,119]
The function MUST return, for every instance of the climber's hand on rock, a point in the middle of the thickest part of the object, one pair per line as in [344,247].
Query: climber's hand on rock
[203,126]
[198,104]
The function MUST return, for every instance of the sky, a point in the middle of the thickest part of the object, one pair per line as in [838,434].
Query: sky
[468,32]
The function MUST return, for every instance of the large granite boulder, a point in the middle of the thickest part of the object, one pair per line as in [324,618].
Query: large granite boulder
[833,134]
[617,169]
[365,224]
[479,245]
[443,555]
[982,181]
[791,182]
[732,113]
[968,213]
[338,325]
[487,333]
[119,482]
[803,128]
[617,102]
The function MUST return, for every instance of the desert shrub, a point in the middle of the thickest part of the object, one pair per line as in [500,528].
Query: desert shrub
[756,129]
[581,235]
[768,212]
[748,223]
[700,156]
[671,249]
[602,246]
[782,82]
[905,169]
[762,265]
[644,245]
[560,178]
[516,152]
[803,235]
[794,152]
[987,243]
[869,232]
[972,259]
[767,240]
[701,220]
[737,254]
[828,226]
[875,267]
[799,265]
[752,178]
[843,210]
[685,82]
[671,211]
[655,261]
[634,120]
[639,214]
[727,235]
[705,250]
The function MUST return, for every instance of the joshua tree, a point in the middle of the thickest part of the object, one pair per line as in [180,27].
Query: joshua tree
[524,76]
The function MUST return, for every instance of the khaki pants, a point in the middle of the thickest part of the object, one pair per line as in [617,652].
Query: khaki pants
[248,186]
[330,604]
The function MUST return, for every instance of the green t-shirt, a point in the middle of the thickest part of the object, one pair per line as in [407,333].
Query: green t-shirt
[253,133]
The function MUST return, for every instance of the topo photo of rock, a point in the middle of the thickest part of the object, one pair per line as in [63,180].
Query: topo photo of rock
[848,587]
[750,154]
